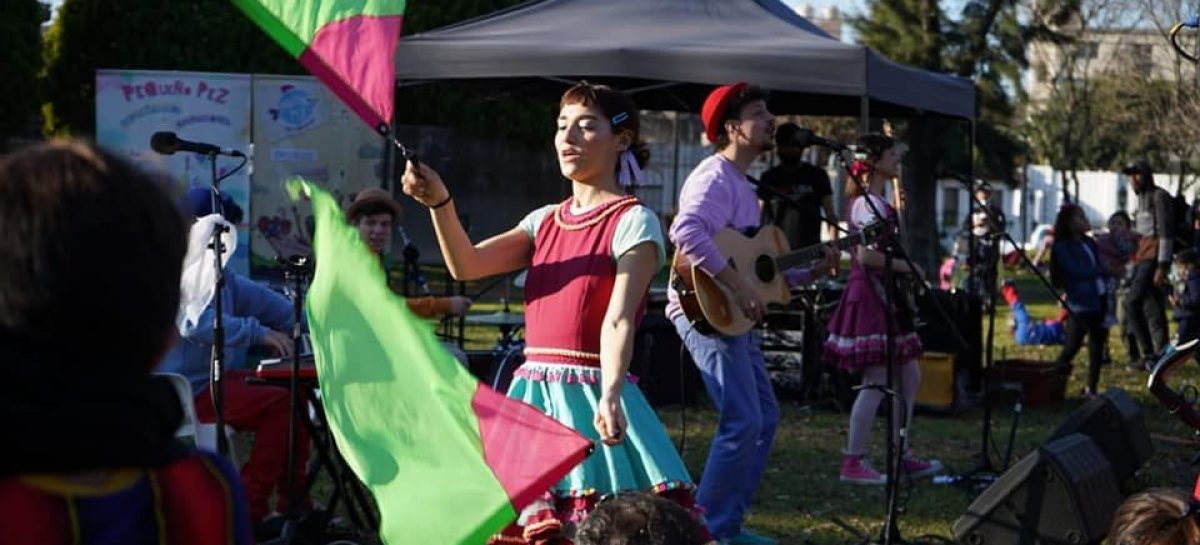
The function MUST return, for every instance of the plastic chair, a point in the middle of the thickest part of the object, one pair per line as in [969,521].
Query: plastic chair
[204,435]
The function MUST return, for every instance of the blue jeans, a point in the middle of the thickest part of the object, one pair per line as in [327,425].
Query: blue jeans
[1030,332]
[737,382]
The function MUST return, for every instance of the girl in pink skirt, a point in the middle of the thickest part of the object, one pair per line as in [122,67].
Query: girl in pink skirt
[857,330]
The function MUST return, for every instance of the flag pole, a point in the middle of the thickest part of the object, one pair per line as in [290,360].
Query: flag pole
[405,152]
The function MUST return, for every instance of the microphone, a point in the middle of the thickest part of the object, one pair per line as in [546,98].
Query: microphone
[805,138]
[167,143]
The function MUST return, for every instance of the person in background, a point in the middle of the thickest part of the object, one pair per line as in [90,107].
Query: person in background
[1158,516]
[807,185]
[254,315]
[1075,267]
[1026,331]
[93,251]
[1145,302]
[1186,298]
[1117,246]
[374,212]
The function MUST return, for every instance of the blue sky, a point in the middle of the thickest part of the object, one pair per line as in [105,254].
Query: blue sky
[847,6]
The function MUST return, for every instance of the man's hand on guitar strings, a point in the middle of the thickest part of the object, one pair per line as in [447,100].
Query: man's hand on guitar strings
[828,266]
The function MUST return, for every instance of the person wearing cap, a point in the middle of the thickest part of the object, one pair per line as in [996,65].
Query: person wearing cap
[254,315]
[1145,302]
[805,184]
[374,213]
[717,195]
[987,223]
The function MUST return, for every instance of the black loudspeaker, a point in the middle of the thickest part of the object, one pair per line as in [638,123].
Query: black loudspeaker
[1062,494]
[964,311]
[1114,421]
[663,377]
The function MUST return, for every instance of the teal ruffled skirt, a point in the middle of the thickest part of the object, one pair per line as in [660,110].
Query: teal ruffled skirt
[645,460]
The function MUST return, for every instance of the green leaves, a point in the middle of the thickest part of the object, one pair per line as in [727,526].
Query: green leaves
[20,40]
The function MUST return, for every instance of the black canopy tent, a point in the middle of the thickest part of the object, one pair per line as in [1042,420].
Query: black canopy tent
[670,53]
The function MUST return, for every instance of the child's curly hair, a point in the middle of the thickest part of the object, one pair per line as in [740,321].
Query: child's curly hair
[1159,516]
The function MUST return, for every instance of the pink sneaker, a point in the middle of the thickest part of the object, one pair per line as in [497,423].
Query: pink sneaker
[917,468]
[856,469]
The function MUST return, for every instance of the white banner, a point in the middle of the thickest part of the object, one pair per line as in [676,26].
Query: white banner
[301,129]
[131,105]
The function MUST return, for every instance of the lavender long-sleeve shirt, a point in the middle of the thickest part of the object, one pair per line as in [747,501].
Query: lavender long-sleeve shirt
[716,195]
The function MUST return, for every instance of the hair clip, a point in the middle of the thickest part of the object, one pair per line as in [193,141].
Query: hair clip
[617,119]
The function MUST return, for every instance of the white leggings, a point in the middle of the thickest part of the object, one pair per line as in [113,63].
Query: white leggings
[908,377]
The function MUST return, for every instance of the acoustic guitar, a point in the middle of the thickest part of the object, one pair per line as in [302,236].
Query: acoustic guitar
[760,260]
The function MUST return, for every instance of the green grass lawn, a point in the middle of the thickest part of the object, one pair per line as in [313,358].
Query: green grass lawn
[801,494]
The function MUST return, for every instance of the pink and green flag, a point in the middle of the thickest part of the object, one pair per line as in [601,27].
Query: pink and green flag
[447,459]
[350,45]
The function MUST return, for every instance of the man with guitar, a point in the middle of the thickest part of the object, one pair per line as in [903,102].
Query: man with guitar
[717,195]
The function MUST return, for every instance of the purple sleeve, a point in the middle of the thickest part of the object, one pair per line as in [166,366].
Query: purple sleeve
[705,207]
[796,276]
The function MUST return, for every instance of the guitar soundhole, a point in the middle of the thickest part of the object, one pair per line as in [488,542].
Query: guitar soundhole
[764,268]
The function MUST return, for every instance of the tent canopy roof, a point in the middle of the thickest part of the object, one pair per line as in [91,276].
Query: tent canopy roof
[670,53]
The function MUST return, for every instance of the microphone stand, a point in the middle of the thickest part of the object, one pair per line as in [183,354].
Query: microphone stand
[986,472]
[296,269]
[217,358]
[890,532]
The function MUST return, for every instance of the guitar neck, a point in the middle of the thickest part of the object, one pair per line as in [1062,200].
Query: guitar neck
[809,254]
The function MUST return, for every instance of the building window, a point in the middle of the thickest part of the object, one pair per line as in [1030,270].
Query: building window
[1087,50]
[949,207]
[1142,58]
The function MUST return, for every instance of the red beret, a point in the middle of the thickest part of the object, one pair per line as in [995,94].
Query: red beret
[713,112]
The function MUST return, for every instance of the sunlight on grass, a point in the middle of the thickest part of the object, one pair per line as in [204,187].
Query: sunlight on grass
[801,493]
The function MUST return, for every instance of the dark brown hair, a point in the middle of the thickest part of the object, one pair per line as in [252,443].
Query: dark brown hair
[733,111]
[615,105]
[638,518]
[873,145]
[92,249]
[1063,229]
[371,209]
[1159,516]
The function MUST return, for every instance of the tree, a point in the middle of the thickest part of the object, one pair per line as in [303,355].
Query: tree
[211,36]
[1171,97]
[906,31]
[465,107]
[986,44]
[1069,127]
[911,32]
[20,40]
[1115,91]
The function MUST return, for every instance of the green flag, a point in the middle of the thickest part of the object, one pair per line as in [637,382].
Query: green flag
[448,459]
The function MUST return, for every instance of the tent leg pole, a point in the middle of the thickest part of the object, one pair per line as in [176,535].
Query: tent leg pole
[864,114]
